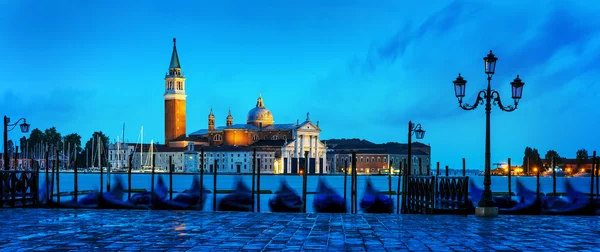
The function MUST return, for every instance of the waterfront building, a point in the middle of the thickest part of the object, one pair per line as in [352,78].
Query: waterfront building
[288,144]
[374,158]
[118,154]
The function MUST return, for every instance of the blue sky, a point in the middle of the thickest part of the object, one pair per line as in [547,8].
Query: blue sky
[362,69]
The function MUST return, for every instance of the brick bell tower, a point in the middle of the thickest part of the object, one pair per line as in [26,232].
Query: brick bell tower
[174,99]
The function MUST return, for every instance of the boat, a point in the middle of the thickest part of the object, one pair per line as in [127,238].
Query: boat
[374,201]
[559,173]
[286,200]
[576,204]
[327,200]
[582,174]
[504,201]
[529,203]
[240,200]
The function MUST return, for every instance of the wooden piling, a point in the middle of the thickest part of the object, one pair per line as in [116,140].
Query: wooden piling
[46,165]
[464,167]
[345,179]
[53,171]
[509,181]
[152,177]
[258,186]
[101,173]
[390,185]
[405,174]
[398,193]
[304,181]
[353,189]
[170,177]
[130,162]
[201,178]
[75,182]
[420,167]
[597,180]
[57,176]
[437,169]
[447,171]
[592,177]
[216,162]
[537,179]
[253,177]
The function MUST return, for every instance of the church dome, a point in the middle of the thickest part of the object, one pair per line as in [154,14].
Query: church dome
[260,116]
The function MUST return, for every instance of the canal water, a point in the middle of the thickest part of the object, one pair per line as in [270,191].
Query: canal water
[91,181]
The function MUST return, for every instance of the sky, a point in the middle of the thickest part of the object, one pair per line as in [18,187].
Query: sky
[363,69]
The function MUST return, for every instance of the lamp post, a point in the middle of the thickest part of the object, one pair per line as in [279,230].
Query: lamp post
[489,97]
[419,133]
[24,128]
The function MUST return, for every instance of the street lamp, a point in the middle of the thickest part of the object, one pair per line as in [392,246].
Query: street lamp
[486,204]
[24,128]
[419,134]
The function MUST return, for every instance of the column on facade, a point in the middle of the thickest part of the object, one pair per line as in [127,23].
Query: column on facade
[301,149]
[318,161]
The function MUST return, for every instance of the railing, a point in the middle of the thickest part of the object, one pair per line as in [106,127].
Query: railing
[452,194]
[420,194]
[18,188]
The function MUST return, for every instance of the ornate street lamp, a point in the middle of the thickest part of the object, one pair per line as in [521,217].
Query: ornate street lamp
[419,134]
[486,204]
[24,128]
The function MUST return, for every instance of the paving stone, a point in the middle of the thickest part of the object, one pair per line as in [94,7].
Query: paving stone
[111,230]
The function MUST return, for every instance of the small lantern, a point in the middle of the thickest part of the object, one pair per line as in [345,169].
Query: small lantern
[459,86]
[490,63]
[419,133]
[24,126]
[517,88]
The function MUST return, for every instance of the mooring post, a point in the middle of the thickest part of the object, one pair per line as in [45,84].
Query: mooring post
[553,176]
[101,173]
[447,171]
[253,177]
[216,162]
[597,175]
[464,170]
[304,181]
[201,170]
[130,162]
[46,164]
[170,177]
[345,179]
[420,167]
[152,178]
[353,190]
[258,186]
[509,181]
[35,166]
[53,171]
[537,179]
[405,190]
[592,177]
[57,176]
[390,183]
[400,169]
[75,182]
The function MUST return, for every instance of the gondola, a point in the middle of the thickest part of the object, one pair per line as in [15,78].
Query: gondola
[286,200]
[374,201]
[240,200]
[499,201]
[327,200]
[160,201]
[576,204]
[529,203]
[114,199]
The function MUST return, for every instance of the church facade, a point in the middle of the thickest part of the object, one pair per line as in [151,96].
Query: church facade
[289,148]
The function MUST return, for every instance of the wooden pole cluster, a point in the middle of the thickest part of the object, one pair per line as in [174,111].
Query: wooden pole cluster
[216,162]
[254,177]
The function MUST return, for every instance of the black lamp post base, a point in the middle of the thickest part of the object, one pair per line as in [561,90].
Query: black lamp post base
[486,212]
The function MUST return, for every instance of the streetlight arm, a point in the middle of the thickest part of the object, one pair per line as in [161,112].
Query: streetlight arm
[480,98]
[415,127]
[12,125]
[498,102]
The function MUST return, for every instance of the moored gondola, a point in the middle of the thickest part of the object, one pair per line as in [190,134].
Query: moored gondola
[374,201]
[286,200]
[240,200]
[327,200]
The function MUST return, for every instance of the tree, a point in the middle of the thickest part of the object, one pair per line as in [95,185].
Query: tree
[23,144]
[91,150]
[550,155]
[36,137]
[74,140]
[534,159]
[11,148]
[581,156]
[53,138]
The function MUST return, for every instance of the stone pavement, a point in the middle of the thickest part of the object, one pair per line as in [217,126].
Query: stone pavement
[114,230]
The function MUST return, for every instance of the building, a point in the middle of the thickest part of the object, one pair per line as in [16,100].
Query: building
[118,154]
[373,158]
[569,165]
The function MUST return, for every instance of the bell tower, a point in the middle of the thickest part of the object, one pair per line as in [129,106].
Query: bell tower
[211,121]
[174,99]
[229,119]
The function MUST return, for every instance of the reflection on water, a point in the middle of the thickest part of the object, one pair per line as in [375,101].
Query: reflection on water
[179,226]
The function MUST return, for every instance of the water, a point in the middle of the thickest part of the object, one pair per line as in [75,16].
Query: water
[91,181]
